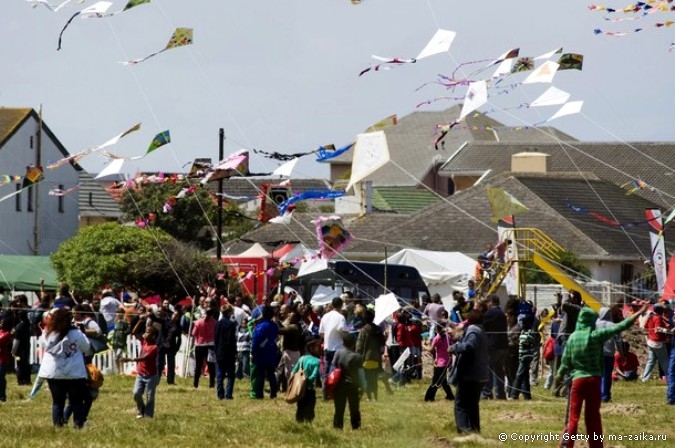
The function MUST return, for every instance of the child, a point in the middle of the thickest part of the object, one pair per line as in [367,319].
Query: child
[243,349]
[311,365]
[146,370]
[442,362]
[626,366]
[119,338]
[528,342]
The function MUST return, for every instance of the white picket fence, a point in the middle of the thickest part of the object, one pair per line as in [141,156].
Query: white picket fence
[106,360]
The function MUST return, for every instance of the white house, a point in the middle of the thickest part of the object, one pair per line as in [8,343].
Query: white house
[34,222]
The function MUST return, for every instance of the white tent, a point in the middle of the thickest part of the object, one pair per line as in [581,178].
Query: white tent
[443,272]
[255,251]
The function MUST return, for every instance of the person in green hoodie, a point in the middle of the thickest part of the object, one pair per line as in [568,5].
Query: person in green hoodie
[583,360]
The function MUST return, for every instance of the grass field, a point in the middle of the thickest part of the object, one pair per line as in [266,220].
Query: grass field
[187,417]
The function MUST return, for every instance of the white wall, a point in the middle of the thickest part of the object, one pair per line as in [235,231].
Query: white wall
[16,227]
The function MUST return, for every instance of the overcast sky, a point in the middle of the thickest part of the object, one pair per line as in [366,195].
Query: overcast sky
[282,75]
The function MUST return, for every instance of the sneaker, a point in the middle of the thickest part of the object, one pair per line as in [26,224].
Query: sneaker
[139,415]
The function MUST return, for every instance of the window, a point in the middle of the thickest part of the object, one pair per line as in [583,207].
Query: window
[29,200]
[60,200]
[18,198]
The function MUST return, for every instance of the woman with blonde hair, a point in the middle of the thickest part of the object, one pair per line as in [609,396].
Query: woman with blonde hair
[63,366]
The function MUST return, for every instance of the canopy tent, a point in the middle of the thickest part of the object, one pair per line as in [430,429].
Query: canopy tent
[256,250]
[291,252]
[443,272]
[23,273]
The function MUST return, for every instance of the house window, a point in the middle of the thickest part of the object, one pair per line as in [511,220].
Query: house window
[60,200]
[18,198]
[29,200]
[91,199]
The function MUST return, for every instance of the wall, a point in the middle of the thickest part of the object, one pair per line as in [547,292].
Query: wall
[16,231]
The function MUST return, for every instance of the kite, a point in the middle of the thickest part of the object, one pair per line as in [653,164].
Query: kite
[636,185]
[385,60]
[370,153]
[60,192]
[114,167]
[328,152]
[160,139]
[50,6]
[332,235]
[282,157]
[385,306]
[286,169]
[8,178]
[96,11]
[310,194]
[180,37]
[34,174]
[571,61]
[503,204]
[573,107]
[605,219]
[476,96]
[234,163]
[74,158]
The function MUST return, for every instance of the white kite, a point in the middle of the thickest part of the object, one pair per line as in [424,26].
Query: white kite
[475,97]
[370,153]
[286,169]
[552,97]
[544,73]
[573,107]
[114,167]
[385,306]
[440,43]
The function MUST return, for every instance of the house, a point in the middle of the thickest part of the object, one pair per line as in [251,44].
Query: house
[619,163]
[96,205]
[33,221]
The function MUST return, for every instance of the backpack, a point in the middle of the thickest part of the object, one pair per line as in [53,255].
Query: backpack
[297,384]
[94,376]
[549,349]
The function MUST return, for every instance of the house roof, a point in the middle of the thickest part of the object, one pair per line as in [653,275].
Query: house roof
[462,221]
[94,200]
[403,200]
[11,119]
[411,143]
[613,161]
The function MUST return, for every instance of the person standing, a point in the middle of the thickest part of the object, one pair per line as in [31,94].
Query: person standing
[658,330]
[582,360]
[442,362]
[21,349]
[146,373]
[470,374]
[495,326]
[63,366]
[528,343]
[5,353]
[571,308]
[608,317]
[332,323]
[204,332]
[352,382]
[226,352]
[264,353]
[311,365]
[369,345]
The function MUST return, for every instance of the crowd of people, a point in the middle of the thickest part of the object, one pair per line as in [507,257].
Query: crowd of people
[477,348]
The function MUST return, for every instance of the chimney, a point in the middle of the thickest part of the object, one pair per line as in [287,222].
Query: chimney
[369,197]
[529,162]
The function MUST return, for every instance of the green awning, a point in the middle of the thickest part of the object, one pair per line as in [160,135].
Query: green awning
[23,272]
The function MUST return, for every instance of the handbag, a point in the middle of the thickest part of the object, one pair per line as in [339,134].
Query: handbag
[332,381]
[98,344]
[297,385]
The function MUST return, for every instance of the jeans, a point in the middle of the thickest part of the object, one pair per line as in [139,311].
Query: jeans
[72,390]
[261,373]
[306,405]
[225,368]
[584,389]
[3,382]
[89,398]
[347,392]
[467,401]
[655,354]
[145,385]
[670,393]
[166,357]
[243,364]
[522,381]
[606,382]
[496,364]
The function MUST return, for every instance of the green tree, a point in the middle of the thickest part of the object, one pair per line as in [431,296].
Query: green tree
[567,261]
[188,219]
[142,259]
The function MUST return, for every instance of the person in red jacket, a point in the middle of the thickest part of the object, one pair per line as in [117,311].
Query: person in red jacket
[626,366]
[657,337]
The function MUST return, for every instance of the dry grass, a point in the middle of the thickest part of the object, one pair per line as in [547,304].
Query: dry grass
[187,417]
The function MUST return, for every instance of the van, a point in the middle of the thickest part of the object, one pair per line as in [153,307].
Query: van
[365,280]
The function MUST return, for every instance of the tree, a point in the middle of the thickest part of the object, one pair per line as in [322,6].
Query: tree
[142,259]
[189,216]
[568,261]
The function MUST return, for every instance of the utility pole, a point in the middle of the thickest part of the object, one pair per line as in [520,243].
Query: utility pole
[219,221]
[36,188]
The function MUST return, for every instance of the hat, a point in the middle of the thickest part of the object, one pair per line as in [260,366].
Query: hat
[298,300]
[274,304]
[107,292]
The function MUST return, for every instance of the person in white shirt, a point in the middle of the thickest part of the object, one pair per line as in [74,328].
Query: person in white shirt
[332,323]
[109,306]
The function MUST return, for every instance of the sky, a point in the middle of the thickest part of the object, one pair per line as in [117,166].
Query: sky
[283,75]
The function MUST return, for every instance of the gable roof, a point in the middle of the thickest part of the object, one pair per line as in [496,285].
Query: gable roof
[94,200]
[462,221]
[411,143]
[11,120]
[613,161]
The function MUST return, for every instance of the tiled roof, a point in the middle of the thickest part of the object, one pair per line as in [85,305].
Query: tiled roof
[94,200]
[462,221]
[613,161]
[402,199]
[10,120]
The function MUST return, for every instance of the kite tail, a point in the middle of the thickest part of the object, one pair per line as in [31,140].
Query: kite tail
[64,28]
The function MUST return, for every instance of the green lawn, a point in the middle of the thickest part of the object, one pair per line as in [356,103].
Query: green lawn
[193,417]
